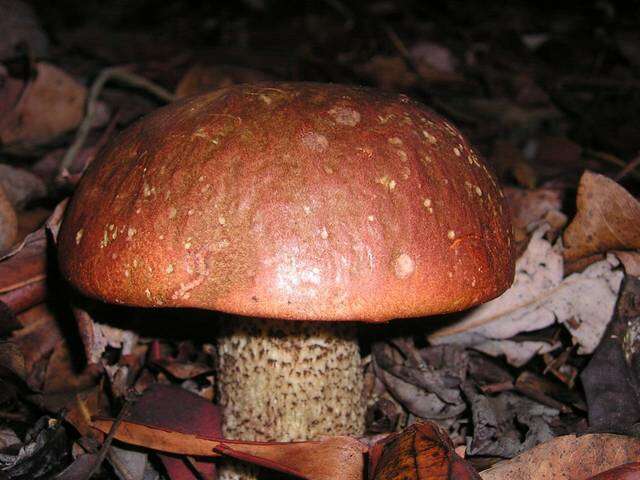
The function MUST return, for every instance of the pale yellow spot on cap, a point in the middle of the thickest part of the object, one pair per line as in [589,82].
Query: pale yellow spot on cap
[451,234]
[345,116]
[395,141]
[456,150]
[478,191]
[79,234]
[146,189]
[169,268]
[135,262]
[404,266]
[147,293]
[323,233]
[126,273]
[387,182]
[371,218]
[190,212]
[315,141]
[201,178]
[427,202]
[130,233]
[187,244]
[306,209]
[429,136]
[222,221]
[173,212]
[328,169]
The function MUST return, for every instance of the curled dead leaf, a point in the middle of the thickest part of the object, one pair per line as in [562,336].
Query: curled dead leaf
[8,222]
[568,458]
[334,458]
[422,451]
[53,103]
[608,218]
[203,78]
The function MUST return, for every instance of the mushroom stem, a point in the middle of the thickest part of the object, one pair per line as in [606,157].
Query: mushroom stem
[289,380]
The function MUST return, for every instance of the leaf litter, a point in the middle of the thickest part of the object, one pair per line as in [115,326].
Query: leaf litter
[556,354]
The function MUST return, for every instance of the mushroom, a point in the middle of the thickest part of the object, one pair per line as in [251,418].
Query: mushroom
[294,210]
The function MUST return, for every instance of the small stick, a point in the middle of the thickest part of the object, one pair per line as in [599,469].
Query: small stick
[630,167]
[101,455]
[612,159]
[123,75]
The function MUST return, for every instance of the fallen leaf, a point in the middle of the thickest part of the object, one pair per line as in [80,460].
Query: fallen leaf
[24,264]
[538,298]
[39,336]
[422,451]
[203,78]
[610,379]
[330,459]
[530,206]
[20,185]
[388,72]
[435,55]
[172,407]
[128,464]
[427,391]
[66,372]
[568,457]
[96,336]
[20,29]
[608,218]
[498,423]
[558,153]
[630,261]
[52,104]
[10,91]
[8,222]
[81,467]
[43,454]
[22,298]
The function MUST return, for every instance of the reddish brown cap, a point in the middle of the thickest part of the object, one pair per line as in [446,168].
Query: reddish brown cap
[293,201]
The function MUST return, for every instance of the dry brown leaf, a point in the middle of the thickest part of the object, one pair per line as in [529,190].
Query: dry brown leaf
[388,72]
[39,335]
[608,218]
[20,29]
[335,458]
[422,451]
[204,78]
[20,185]
[67,373]
[630,261]
[540,296]
[50,105]
[24,264]
[8,222]
[529,206]
[568,458]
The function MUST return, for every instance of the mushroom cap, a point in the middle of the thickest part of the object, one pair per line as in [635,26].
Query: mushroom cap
[295,201]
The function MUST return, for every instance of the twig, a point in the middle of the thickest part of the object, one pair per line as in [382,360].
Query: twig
[121,74]
[629,167]
[101,455]
[450,111]
[613,160]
